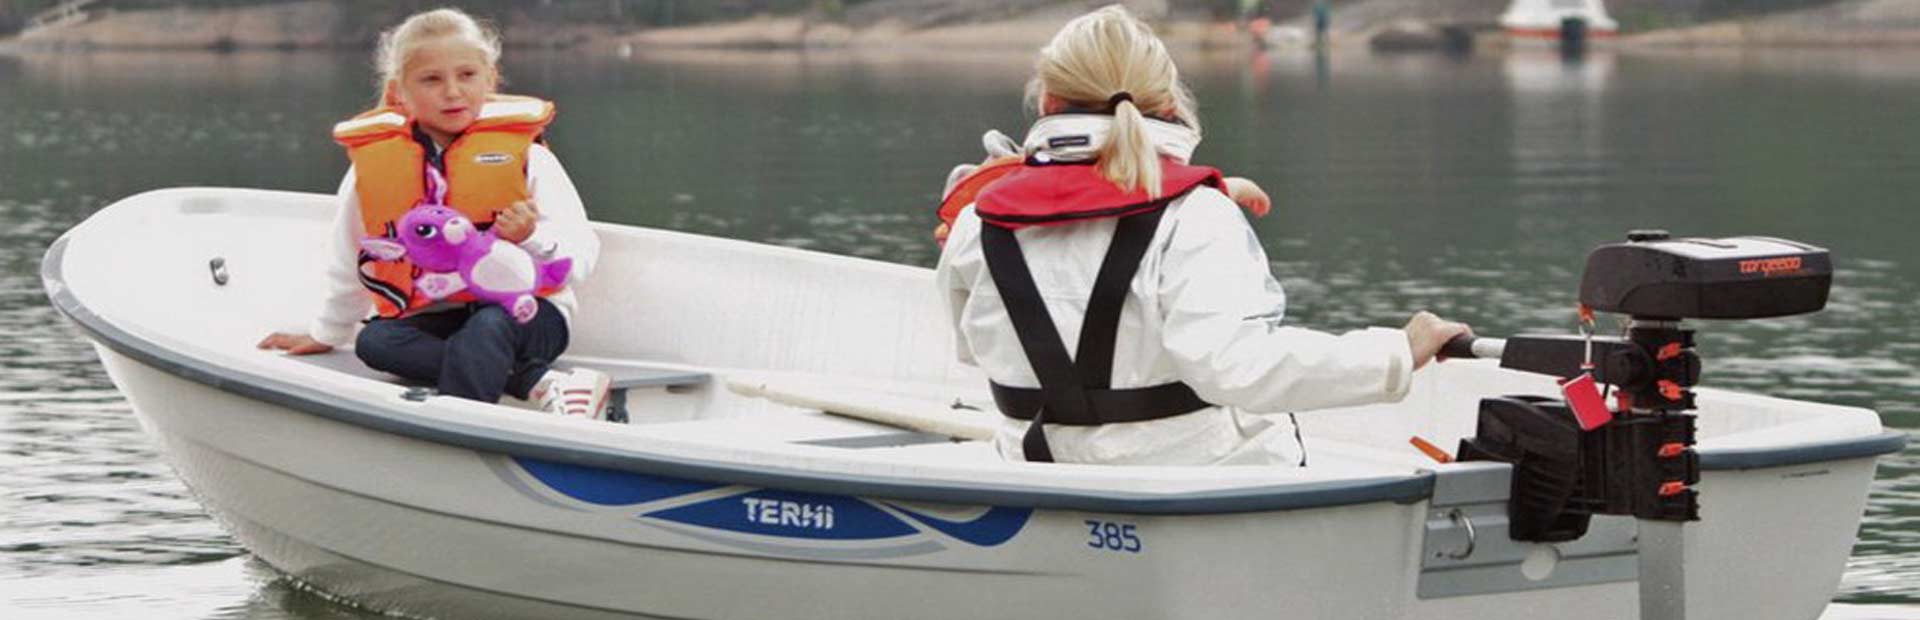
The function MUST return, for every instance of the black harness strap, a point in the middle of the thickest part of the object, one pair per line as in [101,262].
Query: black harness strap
[1093,357]
[1059,386]
[1075,391]
[1107,406]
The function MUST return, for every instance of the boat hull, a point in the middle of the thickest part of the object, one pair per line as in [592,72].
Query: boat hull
[399,524]
[411,526]
[708,507]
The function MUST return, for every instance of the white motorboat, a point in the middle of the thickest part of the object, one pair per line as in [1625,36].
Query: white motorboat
[753,503]
[1558,21]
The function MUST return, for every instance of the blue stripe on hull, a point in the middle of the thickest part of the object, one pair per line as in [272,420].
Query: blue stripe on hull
[776,513]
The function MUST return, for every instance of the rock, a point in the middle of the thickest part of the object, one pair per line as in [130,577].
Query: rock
[1420,36]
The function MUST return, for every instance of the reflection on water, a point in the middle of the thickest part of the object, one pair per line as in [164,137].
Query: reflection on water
[1470,186]
[229,589]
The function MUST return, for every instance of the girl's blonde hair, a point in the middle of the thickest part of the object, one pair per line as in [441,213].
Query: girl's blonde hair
[1111,56]
[397,43]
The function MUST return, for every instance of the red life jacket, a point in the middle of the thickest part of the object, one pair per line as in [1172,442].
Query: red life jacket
[1048,194]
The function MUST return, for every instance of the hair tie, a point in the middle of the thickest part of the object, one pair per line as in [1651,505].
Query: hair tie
[1114,101]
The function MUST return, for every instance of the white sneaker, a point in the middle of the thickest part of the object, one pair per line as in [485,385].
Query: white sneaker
[581,392]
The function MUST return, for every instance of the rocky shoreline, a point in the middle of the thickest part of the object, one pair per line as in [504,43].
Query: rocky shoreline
[1024,34]
[1850,23]
[317,24]
[303,25]
[1011,25]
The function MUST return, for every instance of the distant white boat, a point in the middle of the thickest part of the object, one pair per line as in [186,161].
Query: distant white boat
[64,14]
[1554,20]
[754,503]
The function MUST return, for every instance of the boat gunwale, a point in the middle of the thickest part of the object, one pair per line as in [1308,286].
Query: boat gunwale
[1402,489]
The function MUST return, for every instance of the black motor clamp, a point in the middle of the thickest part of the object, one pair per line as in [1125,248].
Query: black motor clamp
[1637,465]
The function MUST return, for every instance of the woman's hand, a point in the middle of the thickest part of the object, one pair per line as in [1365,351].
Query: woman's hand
[1426,333]
[1249,196]
[294,344]
[514,224]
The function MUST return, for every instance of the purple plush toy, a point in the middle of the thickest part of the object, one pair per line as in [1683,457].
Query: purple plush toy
[456,256]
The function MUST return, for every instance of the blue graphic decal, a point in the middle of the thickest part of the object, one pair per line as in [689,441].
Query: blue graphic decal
[607,487]
[997,526]
[791,515]
[797,517]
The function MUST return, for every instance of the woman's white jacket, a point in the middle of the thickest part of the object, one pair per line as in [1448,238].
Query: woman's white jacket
[1204,309]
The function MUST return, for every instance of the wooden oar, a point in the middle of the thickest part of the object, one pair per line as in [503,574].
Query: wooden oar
[918,408]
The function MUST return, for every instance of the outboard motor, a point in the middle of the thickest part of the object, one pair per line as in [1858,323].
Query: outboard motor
[1577,457]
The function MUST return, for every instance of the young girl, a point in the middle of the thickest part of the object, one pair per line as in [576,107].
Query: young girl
[1107,235]
[439,71]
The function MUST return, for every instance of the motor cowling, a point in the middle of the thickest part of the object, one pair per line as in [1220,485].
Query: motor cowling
[1655,276]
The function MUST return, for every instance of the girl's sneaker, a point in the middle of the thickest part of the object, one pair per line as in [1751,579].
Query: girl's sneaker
[580,392]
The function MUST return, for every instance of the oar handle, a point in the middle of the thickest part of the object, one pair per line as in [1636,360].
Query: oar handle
[1470,347]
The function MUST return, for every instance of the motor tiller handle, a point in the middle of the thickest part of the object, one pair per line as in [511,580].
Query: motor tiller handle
[1470,347]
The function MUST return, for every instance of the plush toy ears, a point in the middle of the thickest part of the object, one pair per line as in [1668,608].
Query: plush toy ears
[436,186]
[383,249]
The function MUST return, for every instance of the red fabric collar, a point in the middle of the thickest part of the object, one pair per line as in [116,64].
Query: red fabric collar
[1046,195]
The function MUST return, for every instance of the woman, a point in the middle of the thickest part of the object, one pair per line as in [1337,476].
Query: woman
[1106,234]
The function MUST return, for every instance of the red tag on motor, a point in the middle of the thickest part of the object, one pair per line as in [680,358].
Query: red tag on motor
[1583,397]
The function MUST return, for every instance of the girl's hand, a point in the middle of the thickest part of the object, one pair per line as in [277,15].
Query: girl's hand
[1426,333]
[294,344]
[514,224]
[1249,196]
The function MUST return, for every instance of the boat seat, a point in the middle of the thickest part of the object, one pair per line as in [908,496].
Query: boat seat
[622,377]
[1324,453]
[812,428]
[945,452]
[344,361]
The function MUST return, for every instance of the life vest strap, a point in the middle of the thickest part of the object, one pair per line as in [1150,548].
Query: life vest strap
[1075,391]
[1106,406]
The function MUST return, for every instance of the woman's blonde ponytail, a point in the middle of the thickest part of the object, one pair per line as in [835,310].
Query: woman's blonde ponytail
[1110,60]
[1129,158]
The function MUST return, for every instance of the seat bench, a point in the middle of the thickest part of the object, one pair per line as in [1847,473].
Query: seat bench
[622,377]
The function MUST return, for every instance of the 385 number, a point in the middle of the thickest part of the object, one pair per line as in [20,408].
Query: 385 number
[1110,536]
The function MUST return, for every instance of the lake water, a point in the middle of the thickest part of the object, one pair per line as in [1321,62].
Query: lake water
[1472,187]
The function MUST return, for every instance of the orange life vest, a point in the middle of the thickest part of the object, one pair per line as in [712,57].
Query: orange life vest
[486,172]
